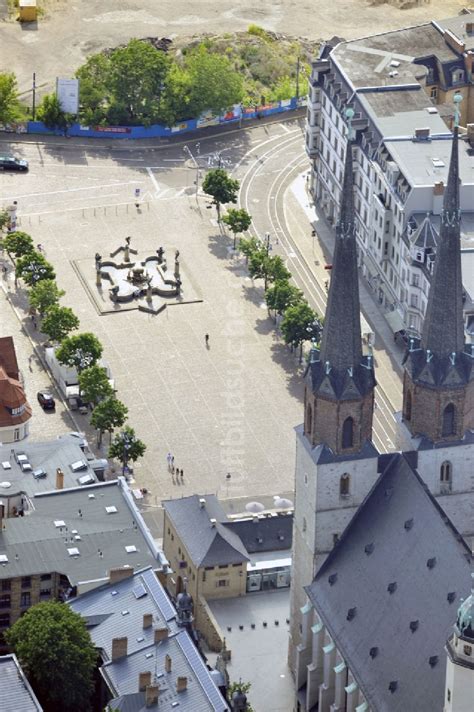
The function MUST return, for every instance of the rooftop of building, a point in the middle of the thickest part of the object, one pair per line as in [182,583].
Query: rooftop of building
[399,565]
[8,356]
[16,694]
[117,610]
[81,532]
[65,453]
[14,408]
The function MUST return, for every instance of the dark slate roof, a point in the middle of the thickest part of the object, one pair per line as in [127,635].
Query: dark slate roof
[400,536]
[16,695]
[339,370]
[443,327]
[425,236]
[264,533]
[207,543]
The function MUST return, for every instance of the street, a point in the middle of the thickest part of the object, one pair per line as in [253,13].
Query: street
[204,405]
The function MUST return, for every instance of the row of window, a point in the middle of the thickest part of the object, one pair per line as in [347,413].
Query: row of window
[449,416]
[347,437]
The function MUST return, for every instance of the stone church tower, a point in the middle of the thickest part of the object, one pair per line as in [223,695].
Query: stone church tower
[336,463]
[438,387]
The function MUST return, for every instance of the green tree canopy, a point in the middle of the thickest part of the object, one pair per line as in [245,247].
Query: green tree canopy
[221,187]
[57,654]
[4,218]
[248,246]
[18,243]
[94,384]
[282,295]
[238,220]
[79,351]
[270,269]
[296,324]
[10,109]
[108,415]
[44,294]
[126,447]
[51,113]
[33,268]
[59,322]
[214,84]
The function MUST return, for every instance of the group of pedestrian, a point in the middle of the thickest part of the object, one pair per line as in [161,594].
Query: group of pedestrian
[174,470]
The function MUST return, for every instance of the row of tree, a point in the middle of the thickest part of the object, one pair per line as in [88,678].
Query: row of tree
[79,351]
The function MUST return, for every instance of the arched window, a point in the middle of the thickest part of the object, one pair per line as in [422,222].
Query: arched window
[449,420]
[408,406]
[309,420]
[344,485]
[348,433]
[304,524]
[446,474]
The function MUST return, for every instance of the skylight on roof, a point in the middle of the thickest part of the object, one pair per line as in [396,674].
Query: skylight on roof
[6,465]
[125,613]
[438,163]
[59,523]
[149,655]
[111,510]
[431,109]
[3,559]
[139,591]
[131,549]
[91,496]
[74,551]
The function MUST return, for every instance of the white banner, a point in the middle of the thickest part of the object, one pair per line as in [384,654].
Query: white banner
[67,91]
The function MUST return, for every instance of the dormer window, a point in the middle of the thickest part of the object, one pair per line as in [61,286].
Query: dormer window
[458,76]
[17,411]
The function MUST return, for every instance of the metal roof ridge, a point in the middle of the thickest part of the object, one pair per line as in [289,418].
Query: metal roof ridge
[79,488]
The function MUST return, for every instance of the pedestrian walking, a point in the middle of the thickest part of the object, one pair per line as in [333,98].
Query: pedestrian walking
[172,464]
[206,339]
[168,459]
[181,474]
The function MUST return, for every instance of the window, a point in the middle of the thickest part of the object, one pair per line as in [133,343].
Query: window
[445,473]
[16,434]
[415,280]
[26,582]
[344,485]
[45,577]
[449,695]
[449,420]
[458,76]
[222,566]
[6,585]
[5,601]
[348,433]
[45,593]
[434,93]
[222,583]
[25,600]
[467,650]
[309,419]
[335,539]
[414,301]
[4,620]
[408,406]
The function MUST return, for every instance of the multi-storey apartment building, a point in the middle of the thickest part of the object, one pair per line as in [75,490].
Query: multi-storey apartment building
[401,86]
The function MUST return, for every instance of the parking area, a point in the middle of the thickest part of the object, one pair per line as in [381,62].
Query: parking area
[256,631]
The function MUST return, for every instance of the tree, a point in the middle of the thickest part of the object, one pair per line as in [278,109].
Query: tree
[126,447]
[79,351]
[9,105]
[44,295]
[282,295]
[270,269]
[221,187]
[18,243]
[214,83]
[242,687]
[249,246]
[51,113]
[296,325]
[33,267]
[4,219]
[94,384]
[238,220]
[59,322]
[55,650]
[108,415]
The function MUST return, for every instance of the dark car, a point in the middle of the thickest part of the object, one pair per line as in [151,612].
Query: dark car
[11,163]
[46,400]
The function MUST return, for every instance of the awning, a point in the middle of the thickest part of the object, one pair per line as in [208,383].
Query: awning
[395,321]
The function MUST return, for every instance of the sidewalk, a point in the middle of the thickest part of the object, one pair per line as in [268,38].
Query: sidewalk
[302,216]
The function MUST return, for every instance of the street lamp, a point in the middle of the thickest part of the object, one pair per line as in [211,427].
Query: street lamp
[314,330]
[267,243]
[196,164]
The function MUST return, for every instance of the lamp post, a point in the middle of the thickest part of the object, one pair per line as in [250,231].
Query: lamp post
[267,242]
[196,164]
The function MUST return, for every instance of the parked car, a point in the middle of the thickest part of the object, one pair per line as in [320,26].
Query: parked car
[46,400]
[12,163]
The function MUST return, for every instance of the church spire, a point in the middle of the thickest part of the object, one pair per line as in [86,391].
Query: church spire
[341,346]
[443,329]
[340,381]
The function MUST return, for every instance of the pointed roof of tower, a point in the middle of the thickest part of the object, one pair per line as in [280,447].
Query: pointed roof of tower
[341,343]
[443,329]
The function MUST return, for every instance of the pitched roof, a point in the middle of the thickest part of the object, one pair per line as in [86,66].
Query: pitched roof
[118,610]
[16,694]
[12,397]
[207,543]
[425,235]
[8,357]
[65,520]
[264,533]
[399,536]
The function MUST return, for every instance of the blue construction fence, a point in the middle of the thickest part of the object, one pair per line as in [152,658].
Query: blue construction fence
[235,115]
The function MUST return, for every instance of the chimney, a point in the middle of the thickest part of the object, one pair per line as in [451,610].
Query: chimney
[202,502]
[438,188]
[119,648]
[119,574]
[147,620]
[167,663]
[151,695]
[422,134]
[181,683]
[144,679]
[59,478]
[213,522]
[160,634]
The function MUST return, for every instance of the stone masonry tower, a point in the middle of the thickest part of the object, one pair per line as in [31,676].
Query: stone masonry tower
[438,386]
[336,463]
